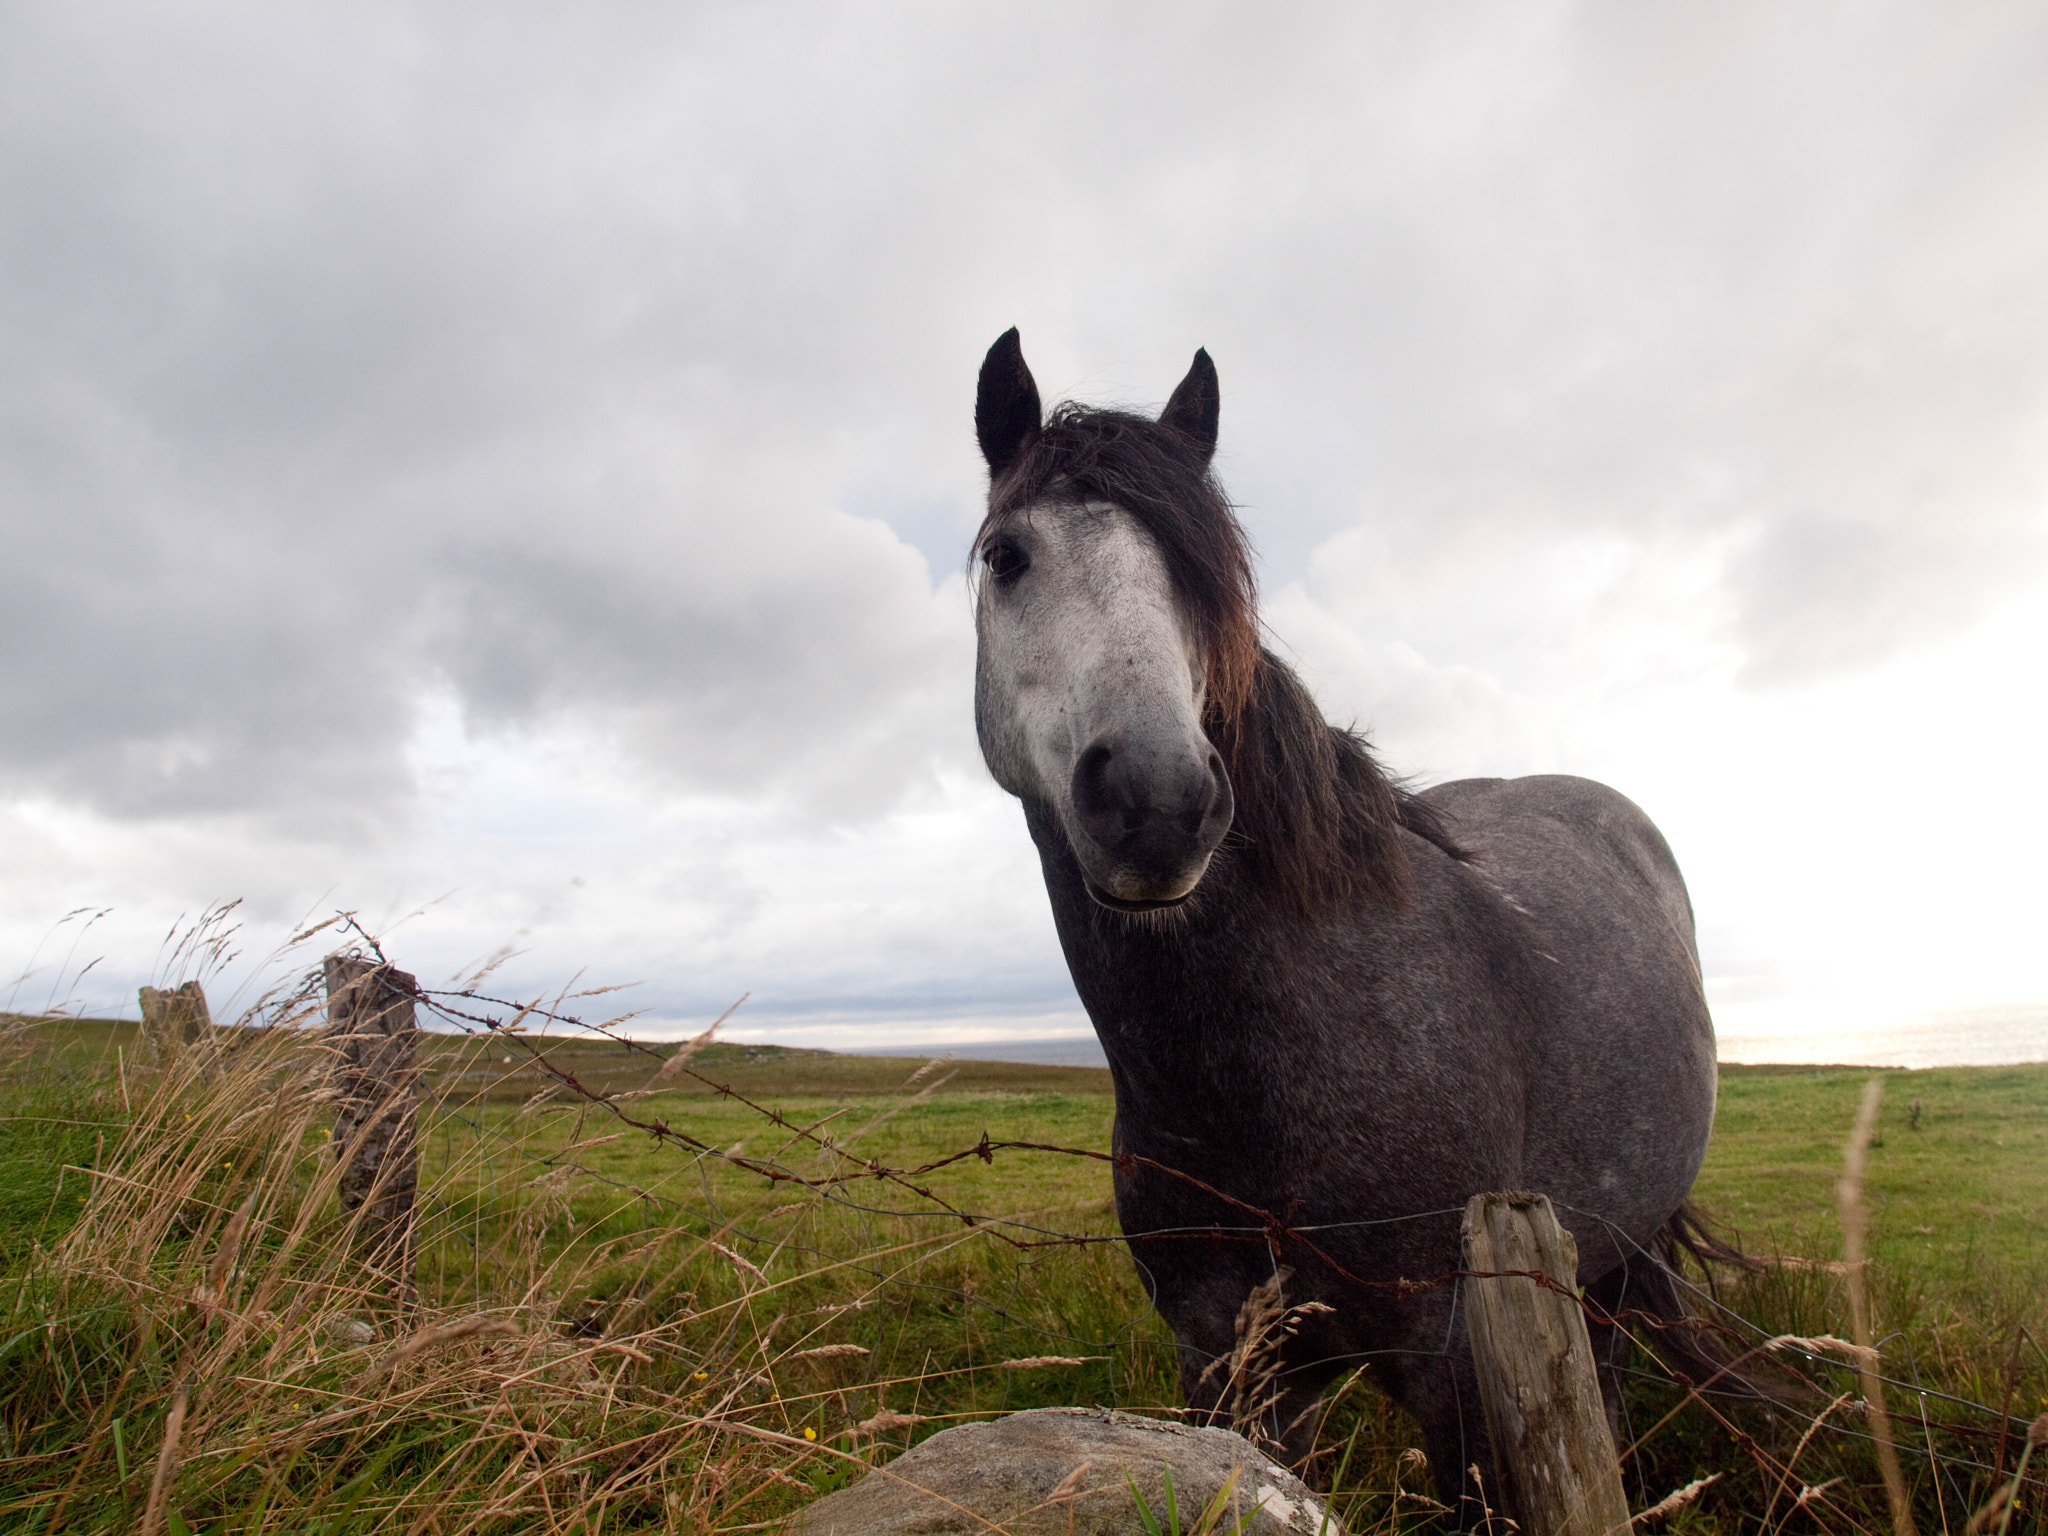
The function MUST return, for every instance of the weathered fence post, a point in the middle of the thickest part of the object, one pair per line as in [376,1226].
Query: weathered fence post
[172,1020]
[370,1023]
[1552,1451]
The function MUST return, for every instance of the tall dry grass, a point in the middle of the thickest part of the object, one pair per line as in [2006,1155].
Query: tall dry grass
[205,1349]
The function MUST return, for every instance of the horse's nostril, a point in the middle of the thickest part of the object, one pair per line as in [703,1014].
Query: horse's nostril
[1220,808]
[1110,807]
[1091,780]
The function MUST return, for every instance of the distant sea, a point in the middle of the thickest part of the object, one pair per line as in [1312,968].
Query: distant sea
[1061,1051]
[1957,1038]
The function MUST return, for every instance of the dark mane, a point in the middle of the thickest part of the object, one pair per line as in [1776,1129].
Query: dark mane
[1318,820]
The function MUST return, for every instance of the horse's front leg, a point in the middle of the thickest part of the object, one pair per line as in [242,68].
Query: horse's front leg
[1244,1366]
[1200,1303]
[1204,1335]
[1294,1415]
[1441,1391]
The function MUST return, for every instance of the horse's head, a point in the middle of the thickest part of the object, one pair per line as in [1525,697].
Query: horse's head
[1114,619]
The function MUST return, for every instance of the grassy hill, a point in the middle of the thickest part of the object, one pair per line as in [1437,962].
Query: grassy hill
[470,1065]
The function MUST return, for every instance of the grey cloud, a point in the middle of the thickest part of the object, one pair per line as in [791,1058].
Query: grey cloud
[1824,594]
[160,659]
[542,355]
[834,673]
[365,397]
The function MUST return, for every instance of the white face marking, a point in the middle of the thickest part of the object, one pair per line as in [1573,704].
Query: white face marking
[1082,643]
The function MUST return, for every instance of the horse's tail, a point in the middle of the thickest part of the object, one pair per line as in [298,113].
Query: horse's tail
[1707,1353]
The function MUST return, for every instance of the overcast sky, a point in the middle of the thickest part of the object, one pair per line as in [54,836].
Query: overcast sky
[515,463]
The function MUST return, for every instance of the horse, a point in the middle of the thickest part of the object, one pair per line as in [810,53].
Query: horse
[1333,1008]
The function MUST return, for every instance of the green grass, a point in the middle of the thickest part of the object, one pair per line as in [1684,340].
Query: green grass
[551,1216]
[1965,1191]
[1960,1254]
[48,1126]
[1957,1207]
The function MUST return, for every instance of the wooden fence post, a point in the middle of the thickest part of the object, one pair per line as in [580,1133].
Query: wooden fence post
[1552,1451]
[370,1023]
[173,1020]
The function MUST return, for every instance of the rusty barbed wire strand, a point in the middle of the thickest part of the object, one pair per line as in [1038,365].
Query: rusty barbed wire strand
[1273,1228]
[1263,1226]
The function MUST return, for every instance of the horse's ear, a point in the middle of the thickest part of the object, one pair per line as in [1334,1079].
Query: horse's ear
[1196,402]
[1005,403]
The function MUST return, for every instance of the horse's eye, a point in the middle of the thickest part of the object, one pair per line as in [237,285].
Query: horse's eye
[1005,559]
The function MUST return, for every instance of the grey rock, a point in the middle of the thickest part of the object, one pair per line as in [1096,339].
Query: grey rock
[1019,1474]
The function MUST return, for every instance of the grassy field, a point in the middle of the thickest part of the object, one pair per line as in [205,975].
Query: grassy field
[664,1340]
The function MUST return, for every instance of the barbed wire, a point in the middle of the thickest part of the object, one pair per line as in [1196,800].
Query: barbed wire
[1258,1225]
[719,1222]
[1274,1230]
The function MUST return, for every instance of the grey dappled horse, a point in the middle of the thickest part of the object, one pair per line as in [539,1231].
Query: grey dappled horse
[1320,995]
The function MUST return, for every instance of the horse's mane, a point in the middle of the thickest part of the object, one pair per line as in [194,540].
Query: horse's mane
[1318,819]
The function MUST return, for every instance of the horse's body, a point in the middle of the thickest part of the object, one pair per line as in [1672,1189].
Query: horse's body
[1320,996]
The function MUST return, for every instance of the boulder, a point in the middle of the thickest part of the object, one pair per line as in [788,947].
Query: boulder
[1071,1472]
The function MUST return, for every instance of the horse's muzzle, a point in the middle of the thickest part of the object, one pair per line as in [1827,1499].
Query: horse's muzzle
[1146,820]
